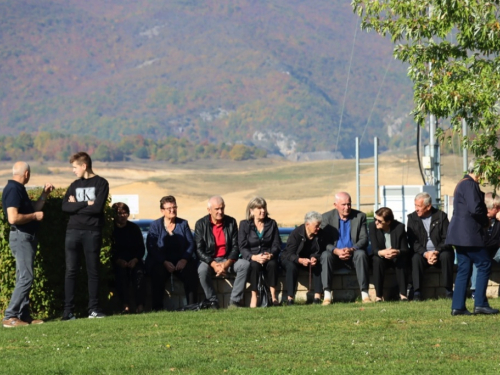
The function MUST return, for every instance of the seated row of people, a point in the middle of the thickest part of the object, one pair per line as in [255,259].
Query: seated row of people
[324,243]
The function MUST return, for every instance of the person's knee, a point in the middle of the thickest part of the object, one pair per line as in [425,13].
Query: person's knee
[446,256]
[360,256]
[416,259]
[203,269]
[255,267]
[243,265]
[327,257]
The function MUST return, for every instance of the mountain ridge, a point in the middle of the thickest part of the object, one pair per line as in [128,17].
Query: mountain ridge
[137,67]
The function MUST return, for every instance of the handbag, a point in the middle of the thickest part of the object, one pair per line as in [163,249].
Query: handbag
[264,292]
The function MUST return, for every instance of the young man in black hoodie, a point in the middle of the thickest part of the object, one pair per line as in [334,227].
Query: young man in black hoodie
[84,202]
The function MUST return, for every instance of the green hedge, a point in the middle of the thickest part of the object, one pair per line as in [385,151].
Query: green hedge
[47,294]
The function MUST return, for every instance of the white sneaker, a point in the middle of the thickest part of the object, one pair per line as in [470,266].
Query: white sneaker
[96,314]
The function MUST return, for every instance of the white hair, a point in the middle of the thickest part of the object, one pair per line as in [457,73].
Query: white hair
[216,199]
[313,217]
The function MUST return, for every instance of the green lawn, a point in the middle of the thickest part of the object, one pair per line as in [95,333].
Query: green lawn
[388,338]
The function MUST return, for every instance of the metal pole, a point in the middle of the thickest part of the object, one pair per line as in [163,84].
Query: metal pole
[437,168]
[375,160]
[358,197]
[465,153]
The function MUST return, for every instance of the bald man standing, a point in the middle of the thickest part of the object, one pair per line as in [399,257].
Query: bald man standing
[24,216]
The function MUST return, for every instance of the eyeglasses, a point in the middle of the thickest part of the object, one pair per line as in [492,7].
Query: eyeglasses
[173,208]
[122,213]
[379,221]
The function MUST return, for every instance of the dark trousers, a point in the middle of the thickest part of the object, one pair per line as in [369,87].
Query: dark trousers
[90,242]
[159,275]
[466,256]
[125,275]
[445,263]
[270,270]
[292,274]
[380,266]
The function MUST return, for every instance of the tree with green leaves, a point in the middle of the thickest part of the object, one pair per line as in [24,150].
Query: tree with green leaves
[461,40]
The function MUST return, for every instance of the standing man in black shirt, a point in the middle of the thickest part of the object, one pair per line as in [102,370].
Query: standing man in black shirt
[84,202]
[24,216]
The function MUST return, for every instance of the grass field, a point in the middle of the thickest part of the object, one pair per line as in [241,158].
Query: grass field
[344,338]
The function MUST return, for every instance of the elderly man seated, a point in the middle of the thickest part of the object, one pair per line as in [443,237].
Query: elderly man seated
[427,227]
[347,239]
[216,237]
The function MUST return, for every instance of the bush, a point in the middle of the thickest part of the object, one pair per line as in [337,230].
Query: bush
[47,294]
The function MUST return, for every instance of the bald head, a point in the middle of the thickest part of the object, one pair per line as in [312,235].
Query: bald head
[21,172]
[342,196]
[20,168]
[343,204]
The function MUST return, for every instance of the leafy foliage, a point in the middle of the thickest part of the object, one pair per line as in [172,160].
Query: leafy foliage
[47,295]
[461,40]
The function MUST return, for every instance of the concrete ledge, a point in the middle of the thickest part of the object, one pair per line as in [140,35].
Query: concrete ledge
[344,288]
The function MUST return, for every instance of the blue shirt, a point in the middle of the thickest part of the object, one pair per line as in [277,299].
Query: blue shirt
[344,234]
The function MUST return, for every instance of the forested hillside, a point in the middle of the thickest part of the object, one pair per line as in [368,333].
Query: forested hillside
[270,74]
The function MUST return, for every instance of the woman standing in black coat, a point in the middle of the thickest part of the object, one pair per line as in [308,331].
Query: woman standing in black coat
[260,243]
[390,249]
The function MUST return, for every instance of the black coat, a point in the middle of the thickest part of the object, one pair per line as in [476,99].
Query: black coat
[417,235]
[296,242]
[250,244]
[469,215]
[205,241]
[398,238]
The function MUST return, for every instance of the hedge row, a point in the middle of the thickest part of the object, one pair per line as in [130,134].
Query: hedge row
[47,295]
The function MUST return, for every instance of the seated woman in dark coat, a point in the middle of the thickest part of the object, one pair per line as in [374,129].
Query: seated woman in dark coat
[260,243]
[127,252]
[170,252]
[390,249]
[304,249]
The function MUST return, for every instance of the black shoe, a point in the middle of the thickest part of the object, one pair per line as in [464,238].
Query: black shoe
[417,297]
[455,312]
[316,301]
[410,292]
[290,302]
[214,305]
[449,294]
[68,316]
[485,310]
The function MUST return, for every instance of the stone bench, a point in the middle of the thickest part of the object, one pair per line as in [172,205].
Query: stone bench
[345,288]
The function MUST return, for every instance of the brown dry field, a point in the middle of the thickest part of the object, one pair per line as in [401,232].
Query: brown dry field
[291,189]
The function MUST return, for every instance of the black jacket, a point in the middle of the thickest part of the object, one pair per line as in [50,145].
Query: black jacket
[398,238]
[296,242]
[417,235]
[492,240]
[250,244]
[205,241]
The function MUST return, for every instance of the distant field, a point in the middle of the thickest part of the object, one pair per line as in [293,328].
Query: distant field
[291,189]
